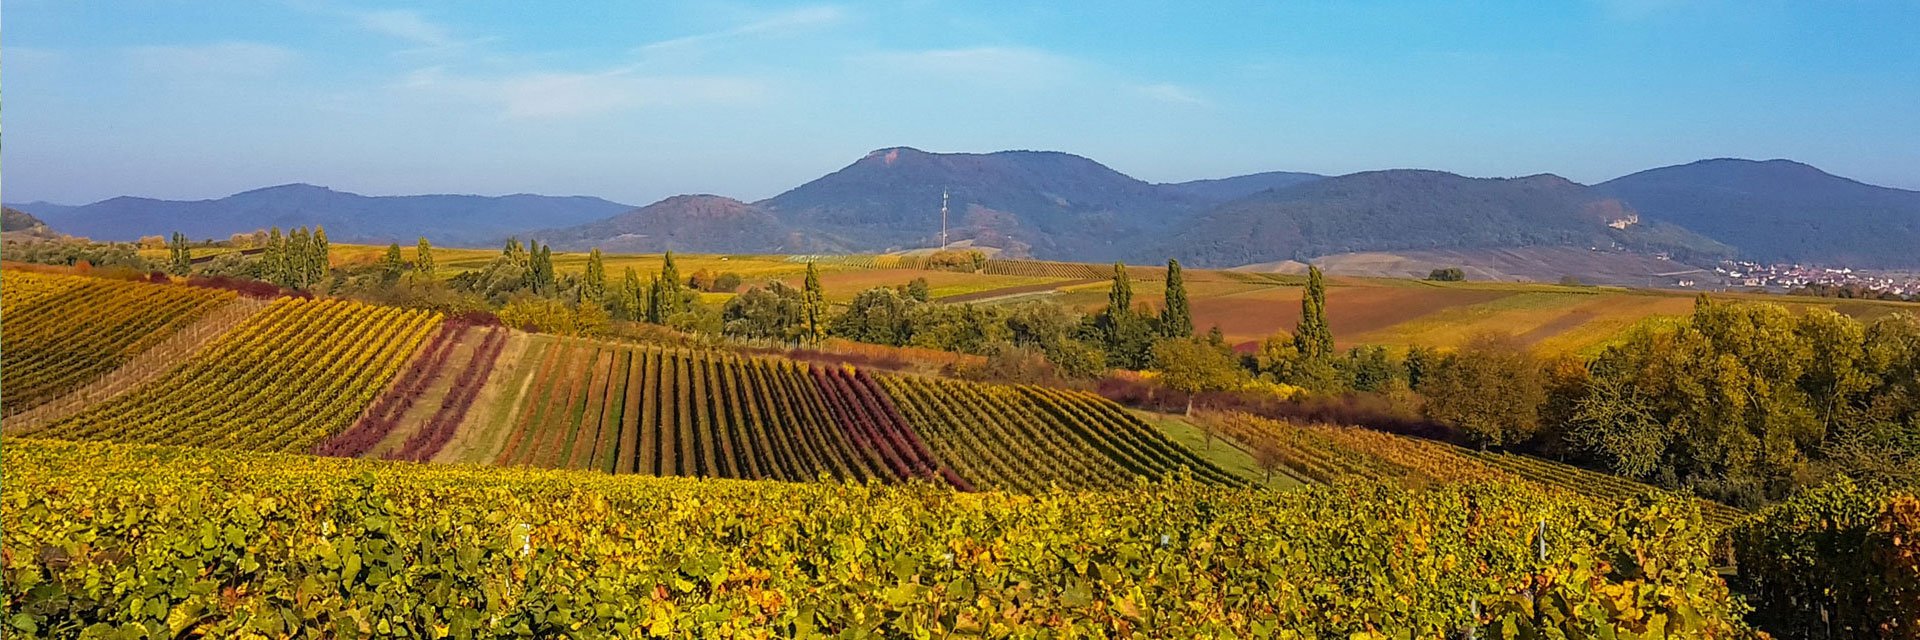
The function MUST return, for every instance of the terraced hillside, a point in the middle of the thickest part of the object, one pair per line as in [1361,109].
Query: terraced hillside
[292,375]
[63,331]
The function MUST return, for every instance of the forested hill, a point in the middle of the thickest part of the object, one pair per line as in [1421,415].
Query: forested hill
[1040,203]
[1781,211]
[1414,209]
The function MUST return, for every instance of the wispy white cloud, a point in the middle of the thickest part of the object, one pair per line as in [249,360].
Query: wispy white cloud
[220,59]
[1171,93]
[786,22]
[545,95]
[408,25]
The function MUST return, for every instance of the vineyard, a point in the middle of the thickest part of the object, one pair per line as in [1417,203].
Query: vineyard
[406,423]
[670,412]
[293,374]
[1330,454]
[64,331]
[226,544]
[1032,438]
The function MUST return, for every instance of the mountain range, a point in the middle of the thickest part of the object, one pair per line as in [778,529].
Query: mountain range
[1053,205]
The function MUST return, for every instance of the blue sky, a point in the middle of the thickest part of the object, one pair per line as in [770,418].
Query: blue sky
[635,101]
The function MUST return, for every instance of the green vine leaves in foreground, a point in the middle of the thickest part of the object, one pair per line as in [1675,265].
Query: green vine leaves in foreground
[128,541]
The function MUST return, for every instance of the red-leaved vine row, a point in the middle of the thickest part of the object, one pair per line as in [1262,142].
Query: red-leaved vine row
[428,441]
[903,432]
[878,429]
[380,419]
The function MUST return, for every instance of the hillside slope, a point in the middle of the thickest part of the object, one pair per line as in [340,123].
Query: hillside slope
[1781,211]
[698,223]
[1030,203]
[1417,209]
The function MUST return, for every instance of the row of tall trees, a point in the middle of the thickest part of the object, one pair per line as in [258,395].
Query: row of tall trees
[297,260]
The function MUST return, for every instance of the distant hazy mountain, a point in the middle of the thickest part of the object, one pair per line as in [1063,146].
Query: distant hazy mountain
[1781,211]
[1224,189]
[12,219]
[1061,206]
[348,217]
[697,223]
[1412,209]
[1039,203]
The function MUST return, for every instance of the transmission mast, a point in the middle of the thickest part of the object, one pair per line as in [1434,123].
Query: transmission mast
[943,219]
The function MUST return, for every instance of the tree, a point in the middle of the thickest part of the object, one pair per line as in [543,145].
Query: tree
[1313,337]
[593,287]
[393,265]
[1419,362]
[1616,424]
[1491,390]
[671,289]
[1176,319]
[879,315]
[776,311]
[1120,295]
[1449,274]
[423,259]
[1195,367]
[815,300]
[919,290]
[1369,369]
[320,263]
[727,282]
[299,258]
[276,258]
[630,303]
[180,255]
[543,281]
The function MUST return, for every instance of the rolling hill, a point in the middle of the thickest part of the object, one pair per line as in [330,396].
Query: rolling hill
[1781,211]
[703,223]
[348,217]
[1234,188]
[1030,203]
[1059,206]
[1416,209]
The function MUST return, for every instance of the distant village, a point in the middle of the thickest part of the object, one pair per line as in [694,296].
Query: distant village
[1798,278]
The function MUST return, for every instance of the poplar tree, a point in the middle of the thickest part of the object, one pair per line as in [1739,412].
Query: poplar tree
[540,276]
[655,311]
[1120,297]
[319,264]
[1176,318]
[393,264]
[180,256]
[593,288]
[299,254]
[275,257]
[814,305]
[1313,338]
[631,302]
[670,289]
[423,259]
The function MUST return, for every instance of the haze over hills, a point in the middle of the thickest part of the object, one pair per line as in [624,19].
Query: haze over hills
[348,217]
[1054,205]
[1781,211]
